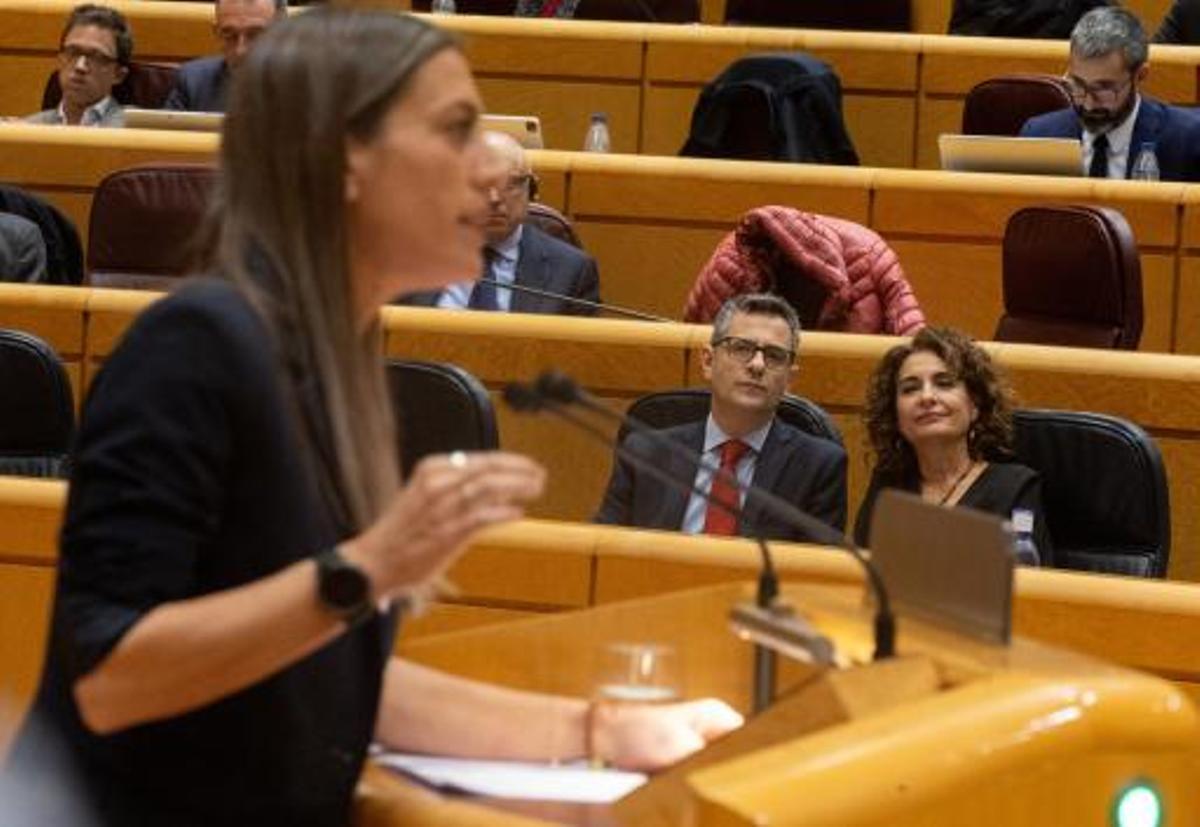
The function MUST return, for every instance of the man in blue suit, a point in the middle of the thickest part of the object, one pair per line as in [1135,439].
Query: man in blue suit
[750,358]
[202,84]
[517,253]
[1110,115]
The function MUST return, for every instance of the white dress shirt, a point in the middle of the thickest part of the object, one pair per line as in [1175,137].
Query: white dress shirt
[1119,150]
[714,438]
[503,270]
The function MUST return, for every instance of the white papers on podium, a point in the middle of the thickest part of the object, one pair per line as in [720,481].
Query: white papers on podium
[515,779]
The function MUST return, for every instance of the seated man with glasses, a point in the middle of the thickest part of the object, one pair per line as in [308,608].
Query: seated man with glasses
[93,57]
[518,254]
[748,363]
[202,84]
[1114,121]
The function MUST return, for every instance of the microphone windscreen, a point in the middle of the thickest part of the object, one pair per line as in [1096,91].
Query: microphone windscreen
[558,387]
[521,397]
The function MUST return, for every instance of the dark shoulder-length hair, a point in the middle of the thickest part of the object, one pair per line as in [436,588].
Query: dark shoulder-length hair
[312,83]
[990,437]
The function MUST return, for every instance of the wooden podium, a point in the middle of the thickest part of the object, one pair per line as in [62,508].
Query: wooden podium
[953,731]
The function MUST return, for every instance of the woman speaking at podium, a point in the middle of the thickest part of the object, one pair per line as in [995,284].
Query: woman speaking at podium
[236,531]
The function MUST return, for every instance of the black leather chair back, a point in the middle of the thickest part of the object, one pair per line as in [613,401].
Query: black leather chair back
[665,409]
[1104,489]
[37,413]
[439,408]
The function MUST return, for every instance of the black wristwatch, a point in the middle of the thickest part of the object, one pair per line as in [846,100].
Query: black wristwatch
[343,587]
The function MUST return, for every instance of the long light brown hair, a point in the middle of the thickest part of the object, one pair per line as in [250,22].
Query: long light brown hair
[309,85]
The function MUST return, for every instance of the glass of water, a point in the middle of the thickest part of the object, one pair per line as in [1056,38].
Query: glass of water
[640,673]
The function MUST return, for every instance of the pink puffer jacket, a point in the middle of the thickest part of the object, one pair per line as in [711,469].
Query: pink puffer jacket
[866,291]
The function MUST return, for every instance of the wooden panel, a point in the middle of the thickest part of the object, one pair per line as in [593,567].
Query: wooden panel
[667,118]
[565,106]
[24,78]
[25,596]
[945,205]
[1187,310]
[686,189]
[882,129]
[30,513]
[452,617]
[666,258]
[953,280]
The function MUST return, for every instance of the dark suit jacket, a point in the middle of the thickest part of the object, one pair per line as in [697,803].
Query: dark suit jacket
[1181,25]
[544,263]
[200,86]
[805,470]
[1175,133]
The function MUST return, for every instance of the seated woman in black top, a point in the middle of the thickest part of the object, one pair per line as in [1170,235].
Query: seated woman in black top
[236,536]
[939,420]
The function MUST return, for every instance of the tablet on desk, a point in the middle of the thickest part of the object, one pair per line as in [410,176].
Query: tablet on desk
[172,119]
[1021,156]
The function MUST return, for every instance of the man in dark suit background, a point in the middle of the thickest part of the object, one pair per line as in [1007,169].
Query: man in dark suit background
[202,84]
[519,253]
[1114,121]
[748,362]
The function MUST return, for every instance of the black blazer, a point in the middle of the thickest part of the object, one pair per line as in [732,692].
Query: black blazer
[200,86]
[805,470]
[1181,25]
[544,263]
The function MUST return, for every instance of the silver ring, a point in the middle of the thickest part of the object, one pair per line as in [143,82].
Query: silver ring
[458,459]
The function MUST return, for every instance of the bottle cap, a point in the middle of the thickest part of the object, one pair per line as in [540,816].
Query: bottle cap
[1022,521]
[599,116]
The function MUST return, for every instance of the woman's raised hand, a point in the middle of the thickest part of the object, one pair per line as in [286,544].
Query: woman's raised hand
[448,498]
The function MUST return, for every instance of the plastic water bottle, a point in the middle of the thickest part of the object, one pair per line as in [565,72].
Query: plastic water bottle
[1024,548]
[597,139]
[1145,167]
[442,7]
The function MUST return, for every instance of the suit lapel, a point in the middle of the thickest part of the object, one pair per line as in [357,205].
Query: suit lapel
[531,271]
[768,469]
[1145,131]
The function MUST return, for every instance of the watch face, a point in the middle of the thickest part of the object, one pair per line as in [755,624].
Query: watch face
[343,586]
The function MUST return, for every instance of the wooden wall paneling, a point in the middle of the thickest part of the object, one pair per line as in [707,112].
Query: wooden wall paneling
[25,598]
[52,313]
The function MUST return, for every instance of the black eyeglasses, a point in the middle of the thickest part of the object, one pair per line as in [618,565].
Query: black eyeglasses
[70,55]
[1104,92]
[743,350]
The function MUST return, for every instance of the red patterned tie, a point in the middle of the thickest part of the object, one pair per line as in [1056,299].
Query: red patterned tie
[717,520]
[550,7]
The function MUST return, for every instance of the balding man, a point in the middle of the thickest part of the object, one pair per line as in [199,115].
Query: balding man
[202,84]
[519,253]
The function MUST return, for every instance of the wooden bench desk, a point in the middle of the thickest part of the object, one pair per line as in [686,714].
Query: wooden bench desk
[900,90]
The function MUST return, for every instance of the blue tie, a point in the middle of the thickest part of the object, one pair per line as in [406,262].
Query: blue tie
[483,294]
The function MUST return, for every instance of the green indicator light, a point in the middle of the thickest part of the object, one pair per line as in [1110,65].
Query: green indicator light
[1138,806]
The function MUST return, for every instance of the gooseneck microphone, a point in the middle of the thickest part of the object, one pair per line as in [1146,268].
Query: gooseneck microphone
[602,307]
[554,391]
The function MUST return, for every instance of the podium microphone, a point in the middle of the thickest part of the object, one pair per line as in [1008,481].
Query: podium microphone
[614,309]
[555,392]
